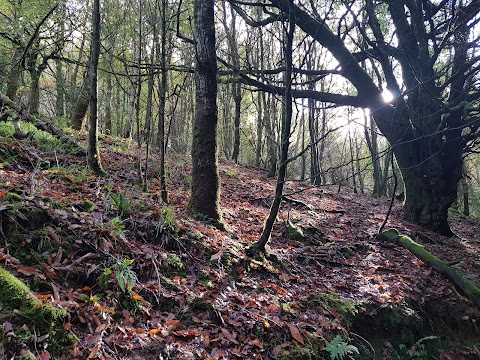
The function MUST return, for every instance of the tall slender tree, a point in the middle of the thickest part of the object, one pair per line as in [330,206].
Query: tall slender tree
[288,11]
[94,161]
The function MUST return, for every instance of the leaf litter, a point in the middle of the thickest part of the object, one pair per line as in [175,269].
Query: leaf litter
[134,288]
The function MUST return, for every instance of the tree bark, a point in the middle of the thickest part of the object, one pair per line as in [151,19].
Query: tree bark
[205,186]
[81,106]
[108,100]
[34,102]
[162,93]
[93,158]
[286,127]
[60,81]
[14,74]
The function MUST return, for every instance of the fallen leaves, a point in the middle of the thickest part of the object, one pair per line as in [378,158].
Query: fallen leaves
[296,334]
[222,305]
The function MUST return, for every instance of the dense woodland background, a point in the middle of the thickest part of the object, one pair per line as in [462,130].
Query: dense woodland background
[211,128]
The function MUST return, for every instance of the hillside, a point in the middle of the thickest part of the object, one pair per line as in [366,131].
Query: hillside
[142,279]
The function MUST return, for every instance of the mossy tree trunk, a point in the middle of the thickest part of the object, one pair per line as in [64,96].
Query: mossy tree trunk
[14,74]
[60,82]
[205,186]
[81,106]
[93,153]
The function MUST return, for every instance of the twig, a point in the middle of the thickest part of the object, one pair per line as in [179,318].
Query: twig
[391,200]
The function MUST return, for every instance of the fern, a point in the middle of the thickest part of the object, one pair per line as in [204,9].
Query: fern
[338,348]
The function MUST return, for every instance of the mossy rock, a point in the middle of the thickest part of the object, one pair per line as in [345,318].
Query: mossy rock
[22,307]
[294,232]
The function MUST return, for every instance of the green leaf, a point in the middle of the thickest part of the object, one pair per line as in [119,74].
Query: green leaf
[120,280]
[338,348]
[128,262]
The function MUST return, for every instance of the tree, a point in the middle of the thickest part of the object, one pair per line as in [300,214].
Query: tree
[432,117]
[205,179]
[288,10]
[162,94]
[93,153]
[231,33]
[34,45]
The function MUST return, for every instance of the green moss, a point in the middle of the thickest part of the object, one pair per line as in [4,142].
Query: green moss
[22,307]
[12,197]
[169,284]
[288,309]
[390,234]
[200,305]
[347,252]
[332,302]
[311,349]
[208,284]
[15,295]
[175,265]
[294,232]
[88,206]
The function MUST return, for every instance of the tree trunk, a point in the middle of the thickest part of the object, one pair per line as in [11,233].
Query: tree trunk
[237,97]
[285,136]
[352,162]
[231,33]
[60,80]
[162,91]
[34,101]
[139,134]
[14,74]
[258,150]
[466,206]
[360,173]
[93,153]
[303,167]
[108,100]
[205,186]
[468,286]
[272,146]
[379,187]
[430,181]
[81,106]
[149,107]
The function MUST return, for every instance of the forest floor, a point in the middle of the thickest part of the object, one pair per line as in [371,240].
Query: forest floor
[141,279]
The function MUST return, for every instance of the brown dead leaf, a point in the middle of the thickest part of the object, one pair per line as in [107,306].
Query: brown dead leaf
[296,334]
[52,234]
[217,256]
[100,328]
[154,331]
[257,343]
[25,270]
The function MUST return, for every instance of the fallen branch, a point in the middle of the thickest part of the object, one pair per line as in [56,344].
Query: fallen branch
[469,288]
[297,203]
[21,114]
